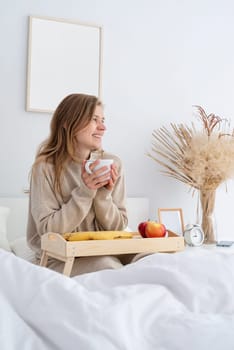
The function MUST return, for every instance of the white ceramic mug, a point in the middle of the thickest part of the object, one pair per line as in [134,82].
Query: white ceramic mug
[102,162]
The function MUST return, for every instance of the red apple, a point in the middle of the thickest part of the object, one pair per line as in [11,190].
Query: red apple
[141,228]
[155,229]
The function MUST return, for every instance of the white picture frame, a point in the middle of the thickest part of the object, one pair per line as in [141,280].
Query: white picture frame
[172,218]
[64,57]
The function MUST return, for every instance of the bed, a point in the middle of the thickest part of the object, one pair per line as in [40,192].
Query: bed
[163,301]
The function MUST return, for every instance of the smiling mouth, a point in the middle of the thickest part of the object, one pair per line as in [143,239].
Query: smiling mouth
[97,136]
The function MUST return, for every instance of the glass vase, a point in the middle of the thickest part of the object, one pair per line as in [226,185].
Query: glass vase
[207,201]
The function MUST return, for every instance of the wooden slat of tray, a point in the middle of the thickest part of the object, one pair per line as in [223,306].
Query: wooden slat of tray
[55,243]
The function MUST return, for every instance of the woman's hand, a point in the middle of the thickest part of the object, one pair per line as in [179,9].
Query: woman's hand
[113,178]
[96,180]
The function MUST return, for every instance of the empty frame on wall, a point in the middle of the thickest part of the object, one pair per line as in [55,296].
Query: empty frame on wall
[64,57]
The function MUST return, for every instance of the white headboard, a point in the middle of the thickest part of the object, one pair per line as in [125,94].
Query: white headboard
[138,210]
[17,220]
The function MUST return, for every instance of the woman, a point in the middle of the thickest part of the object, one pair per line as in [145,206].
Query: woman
[63,196]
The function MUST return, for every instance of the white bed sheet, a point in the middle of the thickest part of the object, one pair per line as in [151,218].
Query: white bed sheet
[163,301]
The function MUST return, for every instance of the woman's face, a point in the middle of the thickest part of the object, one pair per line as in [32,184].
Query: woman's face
[90,138]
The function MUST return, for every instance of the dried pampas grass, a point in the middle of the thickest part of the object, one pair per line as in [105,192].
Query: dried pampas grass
[200,158]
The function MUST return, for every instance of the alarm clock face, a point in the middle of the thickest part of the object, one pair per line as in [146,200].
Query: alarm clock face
[196,236]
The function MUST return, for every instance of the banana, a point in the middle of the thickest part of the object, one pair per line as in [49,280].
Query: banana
[96,235]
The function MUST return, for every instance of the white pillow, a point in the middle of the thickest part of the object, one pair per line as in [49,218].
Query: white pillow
[20,248]
[4,213]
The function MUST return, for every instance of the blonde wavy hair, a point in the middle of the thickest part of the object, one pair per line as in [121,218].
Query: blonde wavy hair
[72,115]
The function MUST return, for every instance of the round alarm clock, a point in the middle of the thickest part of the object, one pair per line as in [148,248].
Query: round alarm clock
[193,235]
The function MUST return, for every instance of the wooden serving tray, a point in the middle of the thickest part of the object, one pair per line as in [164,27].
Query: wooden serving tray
[54,245]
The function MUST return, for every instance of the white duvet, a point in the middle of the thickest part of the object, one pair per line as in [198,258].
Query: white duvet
[164,301]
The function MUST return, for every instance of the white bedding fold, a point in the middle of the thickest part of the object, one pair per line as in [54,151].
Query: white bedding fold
[164,301]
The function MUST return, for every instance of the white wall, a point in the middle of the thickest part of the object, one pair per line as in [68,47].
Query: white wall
[160,57]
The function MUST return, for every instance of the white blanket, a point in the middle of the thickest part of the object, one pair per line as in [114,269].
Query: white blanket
[163,301]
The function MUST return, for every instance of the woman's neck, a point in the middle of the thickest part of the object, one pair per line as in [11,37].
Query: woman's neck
[83,155]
